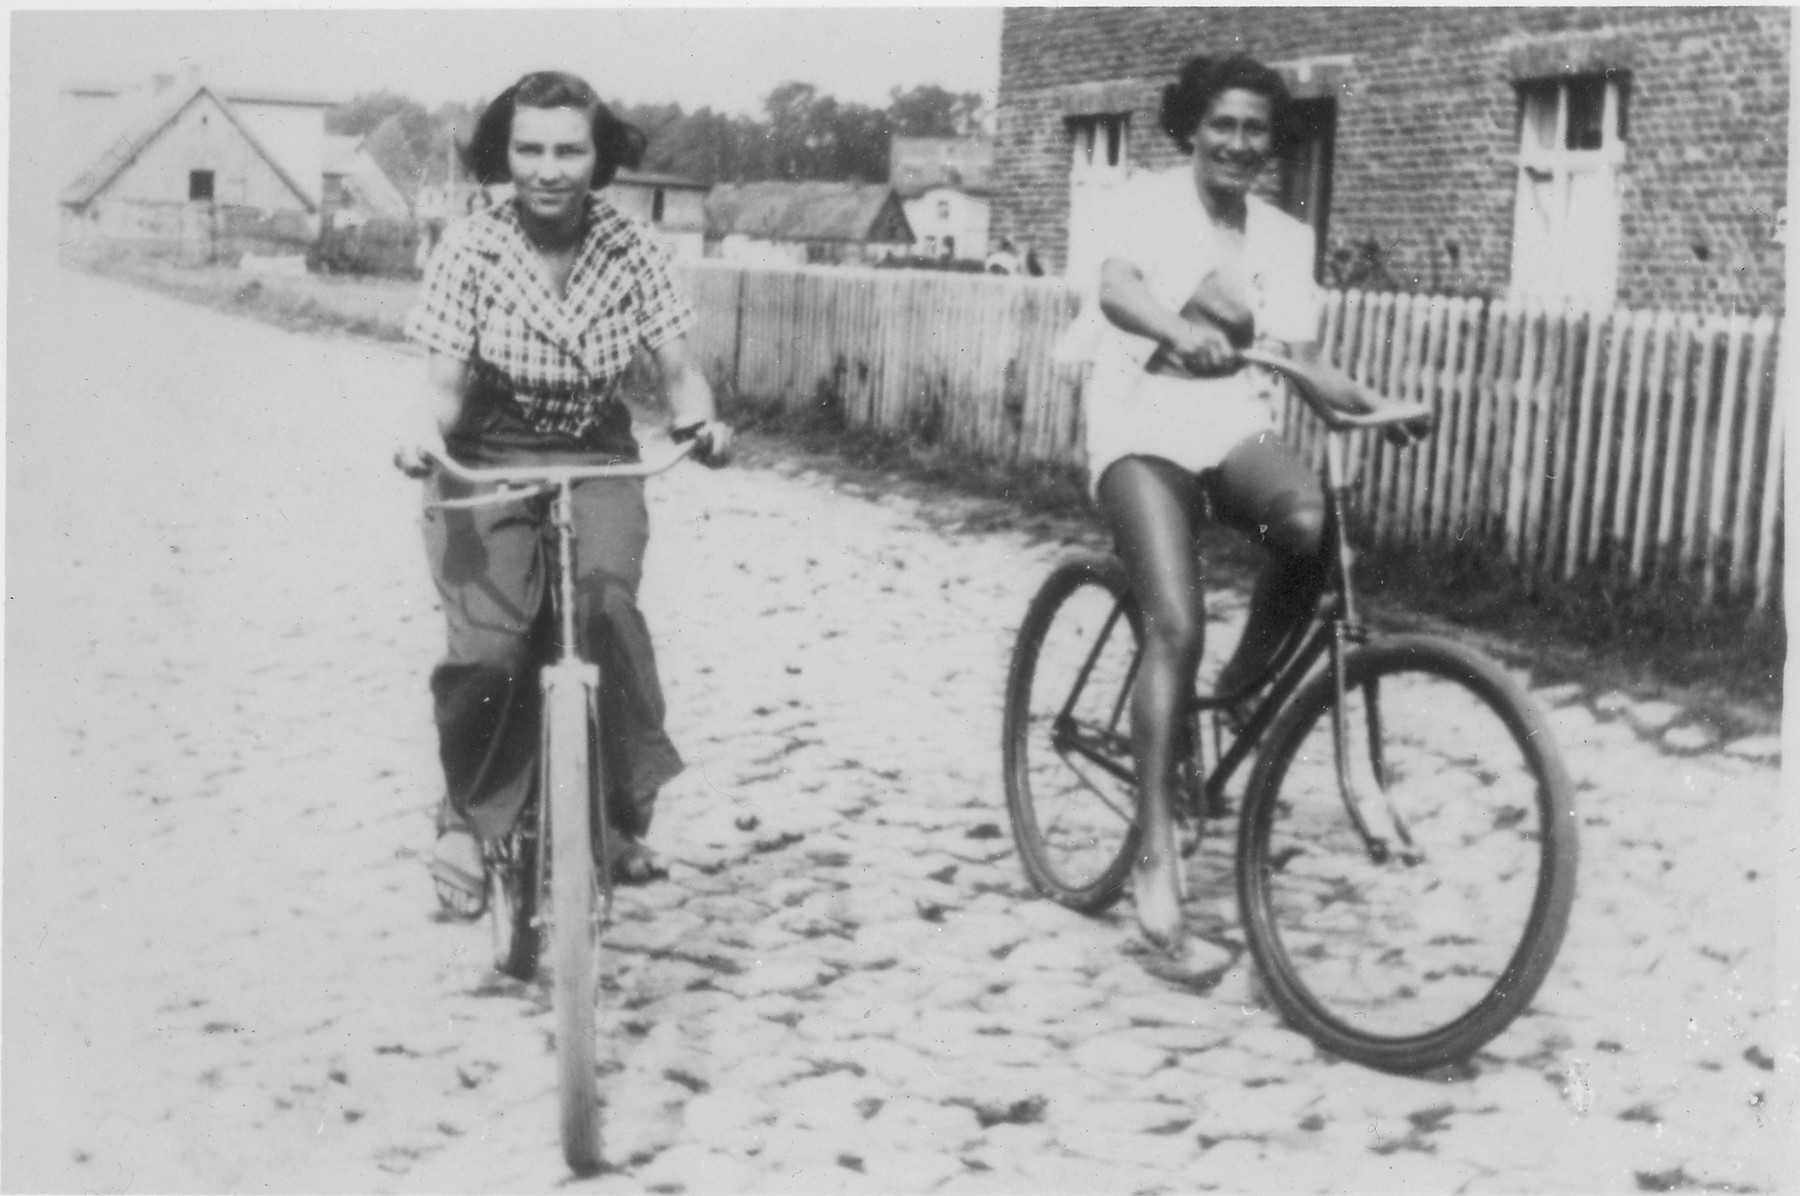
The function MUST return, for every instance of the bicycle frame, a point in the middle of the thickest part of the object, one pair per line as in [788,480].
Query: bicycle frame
[1335,626]
[522,483]
[569,793]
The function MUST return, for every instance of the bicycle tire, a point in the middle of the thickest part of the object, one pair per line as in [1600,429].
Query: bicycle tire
[517,898]
[567,764]
[1469,762]
[1070,781]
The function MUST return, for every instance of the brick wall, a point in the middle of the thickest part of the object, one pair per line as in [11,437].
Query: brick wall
[1427,136]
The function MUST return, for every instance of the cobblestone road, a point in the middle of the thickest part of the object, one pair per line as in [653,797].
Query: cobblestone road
[223,972]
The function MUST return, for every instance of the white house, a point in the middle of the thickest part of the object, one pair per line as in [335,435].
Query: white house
[356,188]
[673,207]
[943,182]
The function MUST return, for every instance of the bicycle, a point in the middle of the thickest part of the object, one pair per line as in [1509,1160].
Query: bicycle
[1406,848]
[560,846]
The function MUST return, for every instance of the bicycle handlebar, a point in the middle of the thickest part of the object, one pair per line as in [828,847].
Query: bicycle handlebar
[1316,381]
[551,475]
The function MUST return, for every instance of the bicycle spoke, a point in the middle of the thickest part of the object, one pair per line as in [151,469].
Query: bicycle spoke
[1442,935]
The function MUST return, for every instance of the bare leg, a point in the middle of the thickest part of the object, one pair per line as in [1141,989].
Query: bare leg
[1266,491]
[1147,503]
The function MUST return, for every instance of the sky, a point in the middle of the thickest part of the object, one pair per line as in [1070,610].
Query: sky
[724,58]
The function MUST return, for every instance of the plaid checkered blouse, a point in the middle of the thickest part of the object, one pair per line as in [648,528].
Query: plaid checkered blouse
[485,301]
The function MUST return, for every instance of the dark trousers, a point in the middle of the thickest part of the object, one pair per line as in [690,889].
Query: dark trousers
[492,567]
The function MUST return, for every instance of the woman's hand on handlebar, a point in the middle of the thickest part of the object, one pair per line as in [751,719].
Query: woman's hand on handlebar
[1411,432]
[1203,350]
[712,441]
[415,453]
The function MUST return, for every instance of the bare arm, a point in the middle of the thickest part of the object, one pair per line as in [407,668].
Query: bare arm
[436,407]
[1126,300]
[690,397]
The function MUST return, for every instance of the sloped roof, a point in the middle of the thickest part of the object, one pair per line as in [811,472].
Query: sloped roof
[143,128]
[810,211]
[919,164]
[347,157]
[647,178]
[340,152]
[237,93]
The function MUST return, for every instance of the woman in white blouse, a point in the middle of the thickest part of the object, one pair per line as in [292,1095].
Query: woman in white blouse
[1204,269]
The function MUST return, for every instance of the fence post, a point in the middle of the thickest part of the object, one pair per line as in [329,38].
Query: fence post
[1681,431]
[1585,415]
[1706,401]
[1767,544]
[1647,456]
[1761,330]
[1628,434]
[1729,391]
[1520,428]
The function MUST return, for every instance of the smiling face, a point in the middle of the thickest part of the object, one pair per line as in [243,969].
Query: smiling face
[551,156]
[1234,141]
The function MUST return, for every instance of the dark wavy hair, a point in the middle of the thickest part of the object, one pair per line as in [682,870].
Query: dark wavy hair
[616,143]
[1202,80]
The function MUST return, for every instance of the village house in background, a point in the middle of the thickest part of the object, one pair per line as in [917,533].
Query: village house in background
[357,190]
[672,207]
[1591,155]
[944,184]
[197,167]
[806,223]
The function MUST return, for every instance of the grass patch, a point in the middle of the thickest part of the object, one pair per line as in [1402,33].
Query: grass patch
[371,307]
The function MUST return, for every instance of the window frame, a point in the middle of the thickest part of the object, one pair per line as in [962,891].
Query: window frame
[1099,144]
[1542,133]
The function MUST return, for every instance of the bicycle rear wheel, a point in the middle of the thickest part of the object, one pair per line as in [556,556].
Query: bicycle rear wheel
[567,763]
[1070,777]
[1419,960]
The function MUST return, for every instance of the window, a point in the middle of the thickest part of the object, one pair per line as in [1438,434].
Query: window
[1099,143]
[200,184]
[943,209]
[656,206]
[1566,219]
[1305,167]
[1099,177]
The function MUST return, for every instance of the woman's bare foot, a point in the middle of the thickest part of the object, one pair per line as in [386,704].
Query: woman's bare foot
[1156,893]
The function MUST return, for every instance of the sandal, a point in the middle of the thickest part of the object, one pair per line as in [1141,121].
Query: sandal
[459,875]
[634,864]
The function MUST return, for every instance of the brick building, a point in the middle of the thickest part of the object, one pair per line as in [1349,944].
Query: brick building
[1636,155]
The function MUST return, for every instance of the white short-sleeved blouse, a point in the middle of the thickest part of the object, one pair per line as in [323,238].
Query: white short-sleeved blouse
[1171,240]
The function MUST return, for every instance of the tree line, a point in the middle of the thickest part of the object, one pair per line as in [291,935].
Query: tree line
[802,134]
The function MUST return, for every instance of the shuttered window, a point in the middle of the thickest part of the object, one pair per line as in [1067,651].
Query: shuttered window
[1566,219]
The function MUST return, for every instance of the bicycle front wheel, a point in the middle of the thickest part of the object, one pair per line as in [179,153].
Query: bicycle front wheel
[1420,958]
[1070,779]
[567,765]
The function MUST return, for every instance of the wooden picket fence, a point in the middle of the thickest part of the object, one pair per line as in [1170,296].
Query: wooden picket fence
[1642,446]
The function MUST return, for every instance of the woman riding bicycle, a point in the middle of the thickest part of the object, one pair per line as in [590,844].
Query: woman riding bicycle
[1204,269]
[532,311]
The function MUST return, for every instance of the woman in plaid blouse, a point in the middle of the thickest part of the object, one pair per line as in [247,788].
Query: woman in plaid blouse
[531,312]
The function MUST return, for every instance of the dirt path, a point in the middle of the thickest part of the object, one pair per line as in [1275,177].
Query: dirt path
[222,972]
